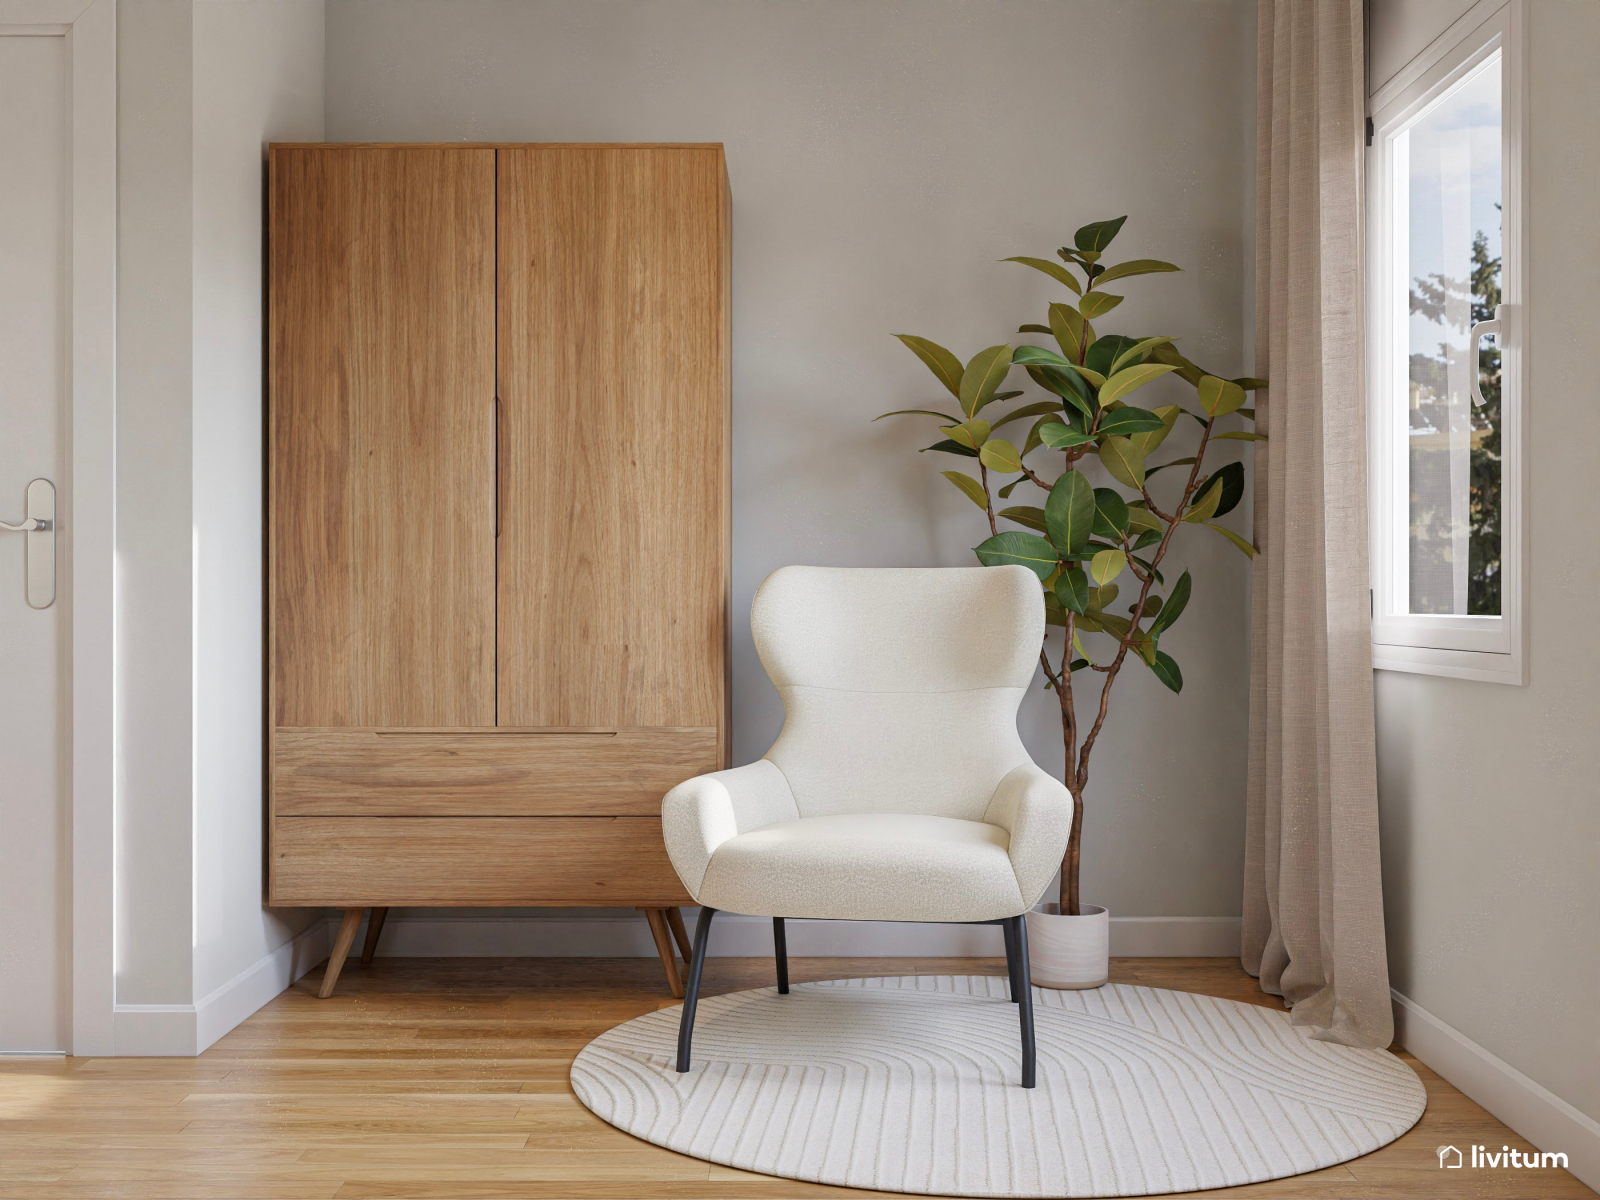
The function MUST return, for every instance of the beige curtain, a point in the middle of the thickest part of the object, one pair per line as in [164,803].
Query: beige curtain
[1313,901]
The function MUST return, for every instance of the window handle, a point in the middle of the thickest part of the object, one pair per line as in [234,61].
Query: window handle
[1476,334]
[40,551]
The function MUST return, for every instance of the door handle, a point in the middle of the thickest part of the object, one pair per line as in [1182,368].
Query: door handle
[1474,335]
[40,549]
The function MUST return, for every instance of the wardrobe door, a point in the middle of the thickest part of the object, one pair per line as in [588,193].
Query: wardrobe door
[382,436]
[613,383]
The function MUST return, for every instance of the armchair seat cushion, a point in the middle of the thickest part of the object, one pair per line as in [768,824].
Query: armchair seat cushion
[867,867]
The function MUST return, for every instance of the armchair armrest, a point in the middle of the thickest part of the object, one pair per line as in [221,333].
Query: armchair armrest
[701,813]
[1036,810]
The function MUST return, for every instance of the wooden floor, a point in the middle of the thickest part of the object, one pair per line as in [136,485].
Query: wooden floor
[448,1078]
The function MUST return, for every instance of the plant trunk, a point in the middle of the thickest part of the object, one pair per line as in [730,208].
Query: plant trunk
[1069,864]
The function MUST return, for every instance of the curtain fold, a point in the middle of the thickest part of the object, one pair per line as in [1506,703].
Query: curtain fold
[1313,901]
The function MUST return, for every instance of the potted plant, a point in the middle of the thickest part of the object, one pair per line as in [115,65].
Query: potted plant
[1080,540]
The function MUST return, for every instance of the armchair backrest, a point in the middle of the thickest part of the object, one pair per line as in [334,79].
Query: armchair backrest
[900,685]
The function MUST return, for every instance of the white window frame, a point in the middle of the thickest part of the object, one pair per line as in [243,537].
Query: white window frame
[1489,649]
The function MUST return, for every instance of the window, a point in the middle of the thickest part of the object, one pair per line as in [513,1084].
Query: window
[1445,324]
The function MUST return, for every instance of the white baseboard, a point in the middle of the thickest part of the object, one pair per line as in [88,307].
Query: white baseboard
[1531,1109]
[184,1030]
[475,936]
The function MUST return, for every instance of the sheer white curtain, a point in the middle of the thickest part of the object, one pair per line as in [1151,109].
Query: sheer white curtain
[1313,902]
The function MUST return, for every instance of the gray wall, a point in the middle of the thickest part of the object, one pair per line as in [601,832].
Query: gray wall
[1491,830]
[883,157]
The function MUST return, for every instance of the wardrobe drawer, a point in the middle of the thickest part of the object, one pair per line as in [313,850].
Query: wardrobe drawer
[352,862]
[484,772]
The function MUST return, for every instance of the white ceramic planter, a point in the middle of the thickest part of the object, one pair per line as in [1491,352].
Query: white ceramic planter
[1069,952]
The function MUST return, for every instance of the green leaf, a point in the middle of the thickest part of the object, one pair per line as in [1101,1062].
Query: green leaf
[1000,455]
[1239,435]
[1034,435]
[1186,369]
[1110,514]
[1249,383]
[1066,384]
[1069,513]
[1167,671]
[1136,266]
[1177,462]
[1142,518]
[949,447]
[1039,408]
[1218,396]
[1232,477]
[969,486]
[1102,598]
[1129,378]
[1116,626]
[1148,538]
[1146,443]
[1086,624]
[1005,492]
[940,361]
[1082,653]
[921,412]
[1097,304]
[1027,515]
[1248,414]
[1245,547]
[1204,505]
[1055,270]
[1137,352]
[1060,437]
[1149,569]
[984,374]
[1028,549]
[1038,356]
[1097,235]
[1072,589]
[1105,351]
[1106,566]
[971,434]
[1142,644]
[1068,327]
[1033,327]
[1124,463]
[1177,600]
[1125,422]
[1152,606]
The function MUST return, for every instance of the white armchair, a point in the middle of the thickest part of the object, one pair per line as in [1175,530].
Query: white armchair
[898,789]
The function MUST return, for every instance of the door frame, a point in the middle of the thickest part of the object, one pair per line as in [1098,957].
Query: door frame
[88,497]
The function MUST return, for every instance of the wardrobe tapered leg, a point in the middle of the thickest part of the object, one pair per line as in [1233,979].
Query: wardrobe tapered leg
[697,964]
[341,949]
[1011,956]
[669,959]
[679,933]
[780,952]
[1025,1005]
[375,919]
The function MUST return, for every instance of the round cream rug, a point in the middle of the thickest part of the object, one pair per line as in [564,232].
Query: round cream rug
[912,1085]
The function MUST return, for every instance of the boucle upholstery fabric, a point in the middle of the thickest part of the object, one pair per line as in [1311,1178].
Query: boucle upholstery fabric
[900,689]
[864,867]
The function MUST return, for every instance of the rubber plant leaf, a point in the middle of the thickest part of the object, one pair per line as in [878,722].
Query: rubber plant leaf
[945,366]
[1013,546]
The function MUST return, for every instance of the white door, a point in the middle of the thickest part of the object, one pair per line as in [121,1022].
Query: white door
[35,893]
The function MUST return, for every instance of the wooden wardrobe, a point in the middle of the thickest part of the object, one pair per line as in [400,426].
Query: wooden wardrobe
[498,524]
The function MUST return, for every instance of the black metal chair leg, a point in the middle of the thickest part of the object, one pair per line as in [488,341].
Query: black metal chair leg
[691,991]
[780,952]
[1011,956]
[1025,1005]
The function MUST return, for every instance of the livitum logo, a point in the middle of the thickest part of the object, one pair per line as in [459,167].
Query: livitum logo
[1481,1156]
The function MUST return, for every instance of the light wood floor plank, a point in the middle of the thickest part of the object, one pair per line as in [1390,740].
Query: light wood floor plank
[447,1078]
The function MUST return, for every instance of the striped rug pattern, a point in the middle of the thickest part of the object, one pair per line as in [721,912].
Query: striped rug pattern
[911,1085]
